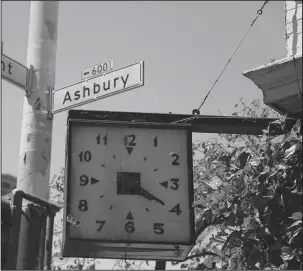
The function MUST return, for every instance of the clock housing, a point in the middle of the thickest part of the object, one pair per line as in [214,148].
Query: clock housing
[128,190]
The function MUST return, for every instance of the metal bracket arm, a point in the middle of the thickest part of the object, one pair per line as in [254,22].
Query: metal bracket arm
[50,114]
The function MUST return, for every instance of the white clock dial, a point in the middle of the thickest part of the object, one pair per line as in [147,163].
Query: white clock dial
[129,184]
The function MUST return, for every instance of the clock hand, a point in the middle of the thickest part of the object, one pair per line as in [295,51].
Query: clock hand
[149,196]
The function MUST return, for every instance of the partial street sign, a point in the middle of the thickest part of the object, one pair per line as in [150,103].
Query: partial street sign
[97,70]
[14,72]
[100,87]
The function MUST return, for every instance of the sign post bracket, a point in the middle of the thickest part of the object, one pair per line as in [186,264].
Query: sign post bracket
[28,89]
[50,114]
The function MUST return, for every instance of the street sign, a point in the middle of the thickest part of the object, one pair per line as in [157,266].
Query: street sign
[100,87]
[14,72]
[97,70]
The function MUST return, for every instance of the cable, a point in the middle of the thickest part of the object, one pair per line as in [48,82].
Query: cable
[259,12]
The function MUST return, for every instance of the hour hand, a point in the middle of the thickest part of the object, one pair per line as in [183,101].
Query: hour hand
[149,196]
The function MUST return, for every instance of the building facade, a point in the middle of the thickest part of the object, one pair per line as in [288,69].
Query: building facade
[281,81]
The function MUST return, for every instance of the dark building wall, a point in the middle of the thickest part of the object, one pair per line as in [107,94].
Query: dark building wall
[8,183]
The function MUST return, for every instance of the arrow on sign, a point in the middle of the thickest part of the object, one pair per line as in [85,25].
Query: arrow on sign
[129,150]
[93,180]
[165,184]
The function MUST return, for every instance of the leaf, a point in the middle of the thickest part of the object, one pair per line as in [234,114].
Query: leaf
[287,253]
[294,235]
[269,266]
[243,157]
[296,216]
[278,139]
[298,222]
[184,265]
[289,152]
[254,162]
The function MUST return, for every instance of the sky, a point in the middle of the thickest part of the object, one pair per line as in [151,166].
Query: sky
[184,46]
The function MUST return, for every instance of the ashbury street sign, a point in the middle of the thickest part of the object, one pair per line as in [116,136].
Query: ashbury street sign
[100,87]
[14,72]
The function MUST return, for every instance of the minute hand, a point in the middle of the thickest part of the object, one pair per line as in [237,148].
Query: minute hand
[150,196]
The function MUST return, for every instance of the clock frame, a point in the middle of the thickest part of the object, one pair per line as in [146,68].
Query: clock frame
[140,250]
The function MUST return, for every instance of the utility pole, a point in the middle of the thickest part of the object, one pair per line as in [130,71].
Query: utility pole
[36,131]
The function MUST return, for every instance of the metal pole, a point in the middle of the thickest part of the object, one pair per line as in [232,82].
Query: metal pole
[42,243]
[14,232]
[49,241]
[36,131]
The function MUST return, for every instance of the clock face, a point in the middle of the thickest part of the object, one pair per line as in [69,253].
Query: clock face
[129,183]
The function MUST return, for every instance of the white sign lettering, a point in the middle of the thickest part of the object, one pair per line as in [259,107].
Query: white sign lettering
[99,87]
[14,72]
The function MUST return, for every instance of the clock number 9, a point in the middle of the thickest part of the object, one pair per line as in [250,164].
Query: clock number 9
[87,156]
[83,205]
[176,160]
[83,180]
[158,228]
[129,227]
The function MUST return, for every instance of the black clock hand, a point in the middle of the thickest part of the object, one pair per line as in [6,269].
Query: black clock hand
[149,196]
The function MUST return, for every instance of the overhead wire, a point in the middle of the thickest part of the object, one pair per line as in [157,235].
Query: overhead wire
[197,111]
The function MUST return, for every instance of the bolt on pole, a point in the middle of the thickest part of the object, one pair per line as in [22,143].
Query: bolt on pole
[36,130]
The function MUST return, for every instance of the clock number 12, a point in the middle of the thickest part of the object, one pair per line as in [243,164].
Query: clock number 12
[132,142]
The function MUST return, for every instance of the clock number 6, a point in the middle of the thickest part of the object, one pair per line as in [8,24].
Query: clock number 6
[129,227]
[158,228]
[176,160]
[83,205]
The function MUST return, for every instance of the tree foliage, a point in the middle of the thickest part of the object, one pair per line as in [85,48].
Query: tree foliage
[257,199]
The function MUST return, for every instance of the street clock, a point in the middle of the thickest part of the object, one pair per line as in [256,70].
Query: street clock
[128,190]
